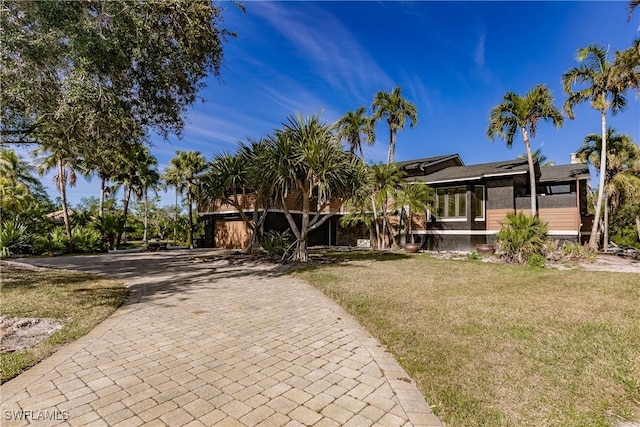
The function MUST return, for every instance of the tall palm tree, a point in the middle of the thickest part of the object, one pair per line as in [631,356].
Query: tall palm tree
[65,160]
[353,126]
[396,109]
[538,157]
[516,113]
[622,174]
[600,83]
[183,172]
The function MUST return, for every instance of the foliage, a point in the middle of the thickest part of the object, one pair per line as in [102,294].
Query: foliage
[622,179]
[520,237]
[516,113]
[50,243]
[536,260]
[603,84]
[351,128]
[86,240]
[306,157]
[14,238]
[277,243]
[100,71]
[396,109]
[183,173]
[474,256]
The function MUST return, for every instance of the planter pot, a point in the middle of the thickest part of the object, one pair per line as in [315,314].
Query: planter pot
[485,249]
[411,248]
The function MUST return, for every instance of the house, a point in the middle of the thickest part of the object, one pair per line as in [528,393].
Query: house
[472,201]
[470,204]
[224,227]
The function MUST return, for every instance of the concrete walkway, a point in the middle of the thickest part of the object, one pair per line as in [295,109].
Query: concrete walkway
[203,341]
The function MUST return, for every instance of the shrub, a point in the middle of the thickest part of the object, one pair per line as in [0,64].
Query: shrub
[474,256]
[576,252]
[536,261]
[86,240]
[14,238]
[521,236]
[52,242]
[277,243]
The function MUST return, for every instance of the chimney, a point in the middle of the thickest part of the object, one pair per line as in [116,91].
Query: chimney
[575,159]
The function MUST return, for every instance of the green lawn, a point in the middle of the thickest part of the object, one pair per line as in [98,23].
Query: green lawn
[500,345]
[79,301]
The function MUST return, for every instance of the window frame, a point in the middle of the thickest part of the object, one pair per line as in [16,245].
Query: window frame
[483,201]
[441,215]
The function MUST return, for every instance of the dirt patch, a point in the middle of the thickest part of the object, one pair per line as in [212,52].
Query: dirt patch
[19,333]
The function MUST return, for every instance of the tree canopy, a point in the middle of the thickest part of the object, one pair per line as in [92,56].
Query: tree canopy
[103,72]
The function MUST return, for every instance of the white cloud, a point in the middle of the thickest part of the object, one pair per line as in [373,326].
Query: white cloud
[328,45]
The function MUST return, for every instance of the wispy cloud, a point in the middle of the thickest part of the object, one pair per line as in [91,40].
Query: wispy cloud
[478,53]
[328,45]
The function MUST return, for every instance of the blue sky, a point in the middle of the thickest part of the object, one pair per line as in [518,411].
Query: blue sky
[454,60]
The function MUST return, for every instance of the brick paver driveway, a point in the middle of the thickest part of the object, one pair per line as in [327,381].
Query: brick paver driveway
[205,341]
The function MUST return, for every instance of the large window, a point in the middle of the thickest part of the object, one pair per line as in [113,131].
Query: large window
[479,196]
[452,203]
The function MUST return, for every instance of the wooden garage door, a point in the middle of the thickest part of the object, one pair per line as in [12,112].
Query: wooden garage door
[231,234]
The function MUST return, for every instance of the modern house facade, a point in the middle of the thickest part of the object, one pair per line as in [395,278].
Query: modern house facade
[470,204]
[472,201]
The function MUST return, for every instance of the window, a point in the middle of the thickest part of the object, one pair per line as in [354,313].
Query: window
[552,189]
[479,196]
[452,202]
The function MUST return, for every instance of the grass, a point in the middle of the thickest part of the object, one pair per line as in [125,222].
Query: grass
[500,345]
[79,301]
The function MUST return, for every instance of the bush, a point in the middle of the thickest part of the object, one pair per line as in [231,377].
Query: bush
[14,238]
[86,240]
[536,261]
[474,256]
[521,236]
[277,243]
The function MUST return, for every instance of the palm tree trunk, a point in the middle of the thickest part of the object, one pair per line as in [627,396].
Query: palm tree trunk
[605,223]
[103,184]
[593,239]
[62,187]
[175,220]
[190,216]
[125,212]
[146,215]
[532,173]
[391,156]
[638,226]
[375,221]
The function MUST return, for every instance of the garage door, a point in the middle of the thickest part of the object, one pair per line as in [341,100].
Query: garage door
[231,234]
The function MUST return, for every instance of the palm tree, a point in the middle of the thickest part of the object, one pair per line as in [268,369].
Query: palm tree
[387,180]
[603,86]
[631,7]
[183,172]
[352,126]
[417,197]
[396,109]
[63,158]
[307,156]
[17,182]
[238,180]
[516,113]
[538,157]
[622,180]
